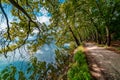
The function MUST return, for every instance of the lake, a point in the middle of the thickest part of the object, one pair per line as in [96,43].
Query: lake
[21,57]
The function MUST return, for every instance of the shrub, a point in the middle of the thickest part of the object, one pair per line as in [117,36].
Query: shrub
[79,69]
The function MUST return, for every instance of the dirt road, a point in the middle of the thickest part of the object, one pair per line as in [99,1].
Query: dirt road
[103,64]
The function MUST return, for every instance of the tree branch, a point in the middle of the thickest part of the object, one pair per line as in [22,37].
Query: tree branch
[23,10]
[8,27]
[20,8]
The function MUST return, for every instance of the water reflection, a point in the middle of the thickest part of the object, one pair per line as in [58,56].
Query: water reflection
[21,57]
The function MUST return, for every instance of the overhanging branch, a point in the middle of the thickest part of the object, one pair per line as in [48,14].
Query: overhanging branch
[8,27]
[23,10]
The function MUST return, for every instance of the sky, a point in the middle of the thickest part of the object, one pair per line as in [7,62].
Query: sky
[2,18]
[61,1]
[43,16]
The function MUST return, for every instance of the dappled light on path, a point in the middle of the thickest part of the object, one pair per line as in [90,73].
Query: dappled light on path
[104,64]
[92,47]
[96,71]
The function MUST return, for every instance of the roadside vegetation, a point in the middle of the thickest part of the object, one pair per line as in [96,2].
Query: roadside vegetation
[79,67]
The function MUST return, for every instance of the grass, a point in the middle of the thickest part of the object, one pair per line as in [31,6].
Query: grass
[79,68]
[102,45]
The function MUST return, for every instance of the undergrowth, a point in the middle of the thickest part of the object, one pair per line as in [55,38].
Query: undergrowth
[79,69]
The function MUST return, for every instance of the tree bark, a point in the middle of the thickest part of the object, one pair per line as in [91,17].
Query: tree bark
[108,36]
[75,38]
[99,39]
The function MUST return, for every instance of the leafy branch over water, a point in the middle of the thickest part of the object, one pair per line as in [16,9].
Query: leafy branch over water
[37,70]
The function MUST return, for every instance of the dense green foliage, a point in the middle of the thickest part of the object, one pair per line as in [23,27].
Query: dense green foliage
[72,21]
[79,69]
[59,70]
[88,20]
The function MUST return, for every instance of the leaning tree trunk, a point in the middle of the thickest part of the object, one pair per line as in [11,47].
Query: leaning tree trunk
[76,40]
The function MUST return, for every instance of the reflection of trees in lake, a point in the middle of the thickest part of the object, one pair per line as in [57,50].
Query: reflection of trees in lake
[37,69]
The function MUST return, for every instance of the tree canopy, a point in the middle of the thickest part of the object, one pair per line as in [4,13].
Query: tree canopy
[71,21]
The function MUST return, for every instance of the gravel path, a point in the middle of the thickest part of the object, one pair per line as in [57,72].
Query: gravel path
[103,64]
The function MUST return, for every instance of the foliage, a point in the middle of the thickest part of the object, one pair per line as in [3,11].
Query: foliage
[10,72]
[38,70]
[41,70]
[87,20]
[73,22]
[79,69]
[25,25]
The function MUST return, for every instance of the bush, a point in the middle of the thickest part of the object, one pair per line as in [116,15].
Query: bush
[79,69]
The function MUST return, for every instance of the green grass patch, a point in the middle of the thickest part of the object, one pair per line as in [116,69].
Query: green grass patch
[118,48]
[79,69]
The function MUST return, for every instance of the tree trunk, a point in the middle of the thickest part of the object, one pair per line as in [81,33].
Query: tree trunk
[108,36]
[76,40]
[99,38]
